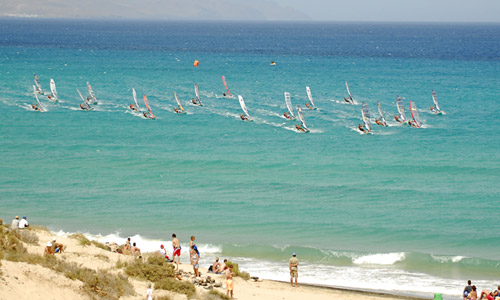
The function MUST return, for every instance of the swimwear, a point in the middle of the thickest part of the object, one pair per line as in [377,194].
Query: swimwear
[177,251]
[230,284]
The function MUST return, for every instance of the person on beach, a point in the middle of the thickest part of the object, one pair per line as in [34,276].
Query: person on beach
[163,252]
[23,223]
[486,294]
[135,250]
[473,294]
[467,289]
[222,267]
[177,250]
[229,281]
[294,271]
[192,241]
[195,258]
[149,292]
[496,293]
[57,247]
[214,268]
[15,223]
[48,249]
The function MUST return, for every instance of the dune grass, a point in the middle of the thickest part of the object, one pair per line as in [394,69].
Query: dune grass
[216,295]
[237,271]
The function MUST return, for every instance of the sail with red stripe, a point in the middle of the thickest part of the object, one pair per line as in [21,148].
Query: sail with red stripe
[147,106]
[225,85]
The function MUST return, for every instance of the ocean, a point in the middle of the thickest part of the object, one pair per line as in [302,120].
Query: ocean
[405,210]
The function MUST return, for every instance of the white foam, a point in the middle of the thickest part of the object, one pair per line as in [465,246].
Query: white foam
[380,259]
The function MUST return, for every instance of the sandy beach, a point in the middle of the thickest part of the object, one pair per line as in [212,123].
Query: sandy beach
[21,280]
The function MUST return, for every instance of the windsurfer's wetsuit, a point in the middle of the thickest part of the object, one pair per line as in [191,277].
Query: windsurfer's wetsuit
[348,100]
[380,122]
[397,119]
[309,106]
[244,118]
[177,110]
[35,107]
[286,115]
[132,107]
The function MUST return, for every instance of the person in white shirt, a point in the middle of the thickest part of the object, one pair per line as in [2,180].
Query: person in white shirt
[23,223]
[15,223]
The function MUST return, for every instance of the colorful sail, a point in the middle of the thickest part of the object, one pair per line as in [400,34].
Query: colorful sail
[225,85]
[178,102]
[415,115]
[434,98]
[39,89]
[301,118]
[401,109]
[309,95]
[288,102]
[381,112]
[243,106]
[365,111]
[197,92]
[147,106]
[53,90]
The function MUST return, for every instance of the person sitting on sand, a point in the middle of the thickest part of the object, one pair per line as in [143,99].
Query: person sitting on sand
[48,249]
[473,294]
[229,281]
[23,223]
[57,247]
[222,267]
[195,258]
[15,223]
[214,268]
[287,115]
[135,250]
[486,294]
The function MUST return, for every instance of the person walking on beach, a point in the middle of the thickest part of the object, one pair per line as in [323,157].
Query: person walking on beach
[15,223]
[177,250]
[294,271]
[229,281]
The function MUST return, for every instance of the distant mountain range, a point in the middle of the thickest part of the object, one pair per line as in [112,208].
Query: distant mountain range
[244,10]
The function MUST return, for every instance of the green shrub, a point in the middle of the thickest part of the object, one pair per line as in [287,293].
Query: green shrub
[216,295]
[26,236]
[154,269]
[237,271]
[164,297]
[84,241]
[100,245]
[176,286]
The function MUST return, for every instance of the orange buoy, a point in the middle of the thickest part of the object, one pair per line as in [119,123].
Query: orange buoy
[196,63]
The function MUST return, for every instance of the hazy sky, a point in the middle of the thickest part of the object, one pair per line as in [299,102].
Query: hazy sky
[314,10]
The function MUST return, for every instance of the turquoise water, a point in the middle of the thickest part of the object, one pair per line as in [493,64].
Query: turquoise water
[411,209]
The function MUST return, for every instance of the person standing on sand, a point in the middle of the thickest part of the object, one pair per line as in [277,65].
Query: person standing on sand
[149,292]
[192,242]
[177,250]
[294,271]
[195,258]
[229,280]
[15,223]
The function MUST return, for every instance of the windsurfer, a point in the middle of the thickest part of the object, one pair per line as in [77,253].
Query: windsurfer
[132,107]
[35,107]
[287,115]
[178,110]
[299,128]
[309,106]
[397,119]
[147,115]
[348,100]
[362,129]
[244,117]
[412,123]
[223,94]
[434,109]
[84,107]
[379,122]
[273,63]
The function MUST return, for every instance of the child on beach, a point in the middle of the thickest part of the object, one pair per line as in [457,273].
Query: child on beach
[195,258]
[229,281]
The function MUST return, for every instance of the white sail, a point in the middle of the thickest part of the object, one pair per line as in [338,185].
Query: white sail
[434,98]
[288,102]
[53,89]
[39,89]
[197,92]
[401,109]
[91,92]
[309,95]
[134,94]
[35,92]
[301,117]
[348,91]
[243,106]
[381,112]
[414,114]
[366,116]
[85,103]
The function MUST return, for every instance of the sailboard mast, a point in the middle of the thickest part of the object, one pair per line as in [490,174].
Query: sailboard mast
[197,92]
[365,111]
[401,109]
[147,106]
[225,85]
[243,106]
[134,94]
[301,118]
[53,89]
[39,89]
[35,92]
[434,98]
[381,112]
[178,102]
[288,102]
[348,91]
[414,114]
[309,95]
[91,92]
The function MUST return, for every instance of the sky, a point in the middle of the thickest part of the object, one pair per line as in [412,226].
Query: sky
[262,10]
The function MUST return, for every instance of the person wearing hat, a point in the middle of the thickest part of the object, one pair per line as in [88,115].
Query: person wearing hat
[294,272]
[48,249]
[57,247]
[23,223]
[15,223]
